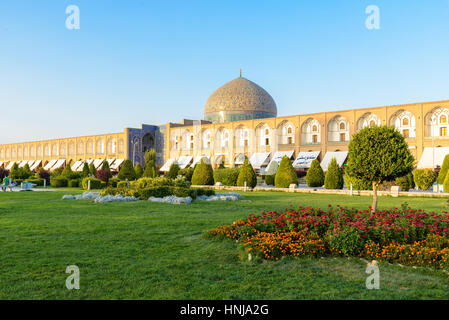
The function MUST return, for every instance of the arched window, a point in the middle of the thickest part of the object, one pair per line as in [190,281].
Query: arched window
[405,122]
[342,126]
[443,119]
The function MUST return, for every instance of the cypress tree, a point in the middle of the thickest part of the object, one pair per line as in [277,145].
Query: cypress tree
[203,174]
[85,171]
[443,170]
[247,174]
[315,175]
[26,172]
[67,172]
[139,171]
[127,171]
[15,172]
[173,171]
[105,166]
[150,170]
[92,169]
[286,174]
[334,176]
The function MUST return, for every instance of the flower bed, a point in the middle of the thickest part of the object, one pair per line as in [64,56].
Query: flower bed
[405,235]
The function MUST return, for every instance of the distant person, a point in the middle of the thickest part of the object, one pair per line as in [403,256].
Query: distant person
[12,184]
[5,184]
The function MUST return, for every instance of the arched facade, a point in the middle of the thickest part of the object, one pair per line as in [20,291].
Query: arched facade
[311,132]
[405,122]
[286,133]
[436,122]
[369,119]
[338,129]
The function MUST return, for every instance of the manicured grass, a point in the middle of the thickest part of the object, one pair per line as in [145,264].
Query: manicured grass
[146,250]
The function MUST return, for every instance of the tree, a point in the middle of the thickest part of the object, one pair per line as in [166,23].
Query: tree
[334,176]
[443,170]
[92,169]
[173,171]
[150,155]
[315,175]
[203,174]
[127,171]
[248,175]
[105,166]
[15,172]
[150,170]
[378,154]
[139,171]
[26,172]
[67,172]
[86,170]
[286,174]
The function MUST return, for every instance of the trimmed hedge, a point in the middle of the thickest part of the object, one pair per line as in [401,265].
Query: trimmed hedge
[59,182]
[424,178]
[334,176]
[228,177]
[165,191]
[74,183]
[269,179]
[406,182]
[285,174]
[203,174]
[94,183]
[247,174]
[315,175]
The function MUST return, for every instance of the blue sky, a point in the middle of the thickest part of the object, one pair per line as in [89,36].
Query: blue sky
[134,62]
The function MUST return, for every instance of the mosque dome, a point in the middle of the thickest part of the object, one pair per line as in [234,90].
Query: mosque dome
[239,99]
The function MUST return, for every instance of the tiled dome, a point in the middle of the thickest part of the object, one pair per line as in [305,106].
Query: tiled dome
[239,99]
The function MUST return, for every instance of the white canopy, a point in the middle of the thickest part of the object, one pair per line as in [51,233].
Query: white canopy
[432,157]
[240,158]
[278,157]
[30,163]
[35,164]
[76,165]
[198,160]
[50,164]
[98,163]
[22,163]
[167,165]
[1,163]
[304,159]
[184,161]
[110,161]
[340,156]
[58,164]
[259,159]
[9,166]
[117,163]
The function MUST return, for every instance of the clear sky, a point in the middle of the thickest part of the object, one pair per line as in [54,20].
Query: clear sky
[153,62]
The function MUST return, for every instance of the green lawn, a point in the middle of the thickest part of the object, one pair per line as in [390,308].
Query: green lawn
[145,250]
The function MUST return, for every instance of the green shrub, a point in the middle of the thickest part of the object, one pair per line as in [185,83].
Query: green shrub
[203,174]
[74,183]
[127,171]
[204,192]
[424,178]
[113,182]
[15,172]
[346,242]
[67,172]
[405,182]
[94,183]
[446,184]
[150,170]
[26,172]
[248,175]
[86,170]
[92,169]
[173,171]
[58,182]
[122,184]
[139,171]
[187,173]
[334,176]
[357,184]
[443,170]
[286,174]
[105,166]
[158,192]
[269,179]
[228,177]
[315,175]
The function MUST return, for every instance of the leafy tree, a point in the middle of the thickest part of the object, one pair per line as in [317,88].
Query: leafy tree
[150,155]
[67,172]
[286,174]
[446,184]
[334,176]
[139,171]
[173,171]
[315,175]
[203,174]
[378,154]
[247,174]
[188,173]
[150,170]
[15,172]
[26,172]
[86,170]
[105,166]
[443,170]
[92,169]
[127,171]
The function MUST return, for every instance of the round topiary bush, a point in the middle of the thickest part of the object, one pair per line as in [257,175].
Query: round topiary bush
[227,176]
[248,175]
[127,171]
[269,179]
[443,171]
[203,175]
[424,178]
[74,183]
[173,171]
[334,176]
[315,175]
[59,182]
[285,174]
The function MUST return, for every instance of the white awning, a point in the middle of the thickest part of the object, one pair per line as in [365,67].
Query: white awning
[184,161]
[98,163]
[22,163]
[30,163]
[117,164]
[198,160]
[9,166]
[278,157]
[240,158]
[304,159]
[76,165]
[50,164]
[259,159]
[36,164]
[1,163]
[167,165]
[432,157]
[58,164]
[340,156]
[110,162]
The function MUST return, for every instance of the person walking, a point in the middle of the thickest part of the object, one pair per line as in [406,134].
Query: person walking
[5,184]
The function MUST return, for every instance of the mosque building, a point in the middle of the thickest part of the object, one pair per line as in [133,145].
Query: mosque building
[240,122]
